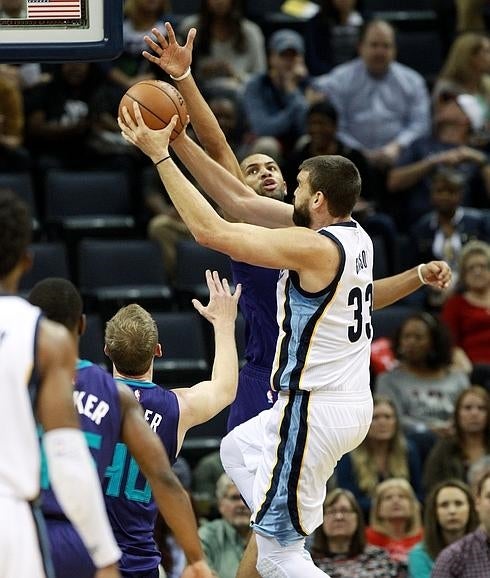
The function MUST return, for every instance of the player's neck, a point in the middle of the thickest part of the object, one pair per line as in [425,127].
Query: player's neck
[147,376]
[8,284]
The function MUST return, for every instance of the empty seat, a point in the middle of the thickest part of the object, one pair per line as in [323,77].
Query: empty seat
[184,360]
[49,260]
[192,262]
[88,202]
[420,50]
[115,272]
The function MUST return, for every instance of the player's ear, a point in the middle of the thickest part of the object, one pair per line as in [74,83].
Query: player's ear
[82,324]
[158,350]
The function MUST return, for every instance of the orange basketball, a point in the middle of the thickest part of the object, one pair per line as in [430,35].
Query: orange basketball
[158,101]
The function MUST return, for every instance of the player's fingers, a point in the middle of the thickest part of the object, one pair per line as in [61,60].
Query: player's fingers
[160,37]
[220,285]
[210,282]
[152,45]
[189,43]
[150,57]
[226,286]
[198,305]
[128,121]
[170,33]
[173,121]
[238,292]
[137,115]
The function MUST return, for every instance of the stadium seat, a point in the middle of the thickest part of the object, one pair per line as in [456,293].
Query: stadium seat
[92,342]
[192,262]
[184,361]
[95,203]
[49,260]
[115,272]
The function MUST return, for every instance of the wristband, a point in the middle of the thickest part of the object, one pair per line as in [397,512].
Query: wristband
[185,75]
[419,273]
[161,160]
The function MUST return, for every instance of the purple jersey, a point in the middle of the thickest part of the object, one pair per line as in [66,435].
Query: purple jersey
[258,307]
[97,401]
[129,501]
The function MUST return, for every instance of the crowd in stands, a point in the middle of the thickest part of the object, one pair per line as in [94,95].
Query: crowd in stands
[295,87]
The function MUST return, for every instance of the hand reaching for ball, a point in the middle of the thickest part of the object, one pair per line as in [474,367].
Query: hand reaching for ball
[171,57]
[154,143]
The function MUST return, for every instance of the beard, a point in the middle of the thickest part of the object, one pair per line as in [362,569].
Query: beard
[301,217]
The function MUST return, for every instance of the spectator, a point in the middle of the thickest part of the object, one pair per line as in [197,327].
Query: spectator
[228,46]
[452,457]
[466,312]
[455,122]
[383,105]
[423,386]
[13,157]
[468,557]
[395,522]
[466,71]
[206,473]
[332,35]
[140,16]
[339,544]
[449,515]
[442,233]
[224,540]
[274,102]
[384,453]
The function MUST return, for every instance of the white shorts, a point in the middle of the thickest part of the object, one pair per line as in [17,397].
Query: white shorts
[20,556]
[294,448]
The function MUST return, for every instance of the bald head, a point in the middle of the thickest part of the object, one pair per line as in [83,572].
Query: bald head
[377,48]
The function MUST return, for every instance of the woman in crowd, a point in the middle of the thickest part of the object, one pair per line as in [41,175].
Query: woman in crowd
[384,453]
[339,544]
[449,515]
[395,522]
[467,313]
[227,46]
[451,457]
[423,386]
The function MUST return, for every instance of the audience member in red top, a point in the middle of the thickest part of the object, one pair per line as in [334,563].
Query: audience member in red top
[395,521]
[468,313]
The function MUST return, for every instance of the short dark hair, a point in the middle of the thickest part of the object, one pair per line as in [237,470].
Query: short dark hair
[324,108]
[337,178]
[15,230]
[440,355]
[59,300]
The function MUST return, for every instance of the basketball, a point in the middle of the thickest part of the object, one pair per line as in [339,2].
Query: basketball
[159,102]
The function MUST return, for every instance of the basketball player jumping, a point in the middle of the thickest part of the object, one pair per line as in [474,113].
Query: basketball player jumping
[325,298]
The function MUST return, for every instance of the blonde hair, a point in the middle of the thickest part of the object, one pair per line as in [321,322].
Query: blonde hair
[131,337]
[414,522]
[457,67]
[471,248]
[362,459]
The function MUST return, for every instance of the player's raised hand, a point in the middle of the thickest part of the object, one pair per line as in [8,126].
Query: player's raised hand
[222,306]
[169,55]
[437,274]
[154,143]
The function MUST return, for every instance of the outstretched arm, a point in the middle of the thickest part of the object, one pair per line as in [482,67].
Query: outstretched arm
[391,289]
[238,201]
[176,60]
[296,248]
[172,500]
[200,403]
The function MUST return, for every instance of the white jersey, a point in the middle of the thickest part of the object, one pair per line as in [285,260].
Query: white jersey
[324,337]
[19,446]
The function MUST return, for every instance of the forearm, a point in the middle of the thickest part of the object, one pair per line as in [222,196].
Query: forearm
[175,506]
[201,219]
[402,178]
[225,366]
[391,289]
[207,128]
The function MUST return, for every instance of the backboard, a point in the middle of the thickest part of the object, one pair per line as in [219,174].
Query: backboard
[61,30]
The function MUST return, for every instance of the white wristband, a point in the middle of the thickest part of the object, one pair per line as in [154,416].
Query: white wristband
[185,75]
[419,273]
